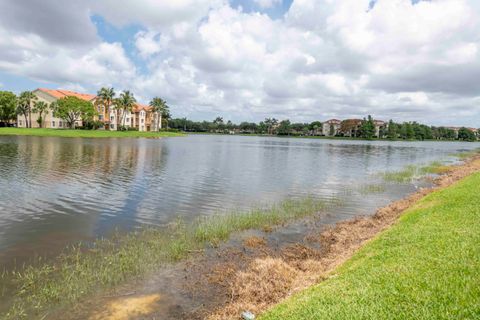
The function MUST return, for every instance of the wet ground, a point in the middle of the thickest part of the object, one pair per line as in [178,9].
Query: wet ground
[255,269]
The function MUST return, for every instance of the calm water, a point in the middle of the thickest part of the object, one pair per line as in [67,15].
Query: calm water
[55,191]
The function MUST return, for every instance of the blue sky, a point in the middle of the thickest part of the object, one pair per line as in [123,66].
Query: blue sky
[246,60]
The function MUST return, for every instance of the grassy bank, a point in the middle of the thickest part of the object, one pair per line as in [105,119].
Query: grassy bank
[68,133]
[109,262]
[427,266]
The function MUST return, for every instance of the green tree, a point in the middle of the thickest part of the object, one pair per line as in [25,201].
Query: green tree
[284,128]
[315,127]
[271,124]
[24,106]
[41,108]
[218,124]
[367,128]
[72,109]
[105,98]
[8,105]
[159,106]
[166,115]
[410,133]
[125,103]
[466,134]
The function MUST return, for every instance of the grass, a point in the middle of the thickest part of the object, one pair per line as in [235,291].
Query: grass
[69,133]
[401,176]
[427,266]
[372,188]
[412,172]
[83,271]
[466,154]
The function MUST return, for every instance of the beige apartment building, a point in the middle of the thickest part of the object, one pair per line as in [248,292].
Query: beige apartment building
[141,116]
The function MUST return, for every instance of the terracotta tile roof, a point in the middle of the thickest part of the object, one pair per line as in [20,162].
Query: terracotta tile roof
[60,93]
[333,121]
[138,107]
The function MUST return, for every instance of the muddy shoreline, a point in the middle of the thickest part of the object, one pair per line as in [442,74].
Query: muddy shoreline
[252,271]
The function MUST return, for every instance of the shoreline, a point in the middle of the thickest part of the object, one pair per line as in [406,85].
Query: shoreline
[320,137]
[80,133]
[340,243]
[319,254]
[253,275]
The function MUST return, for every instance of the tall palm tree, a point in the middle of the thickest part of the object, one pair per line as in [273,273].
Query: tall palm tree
[166,115]
[160,107]
[41,108]
[24,106]
[125,102]
[105,97]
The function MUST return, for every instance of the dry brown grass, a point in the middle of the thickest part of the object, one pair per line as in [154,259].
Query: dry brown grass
[254,242]
[267,281]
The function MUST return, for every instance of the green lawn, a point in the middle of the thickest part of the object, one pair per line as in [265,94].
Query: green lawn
[427,266]
[67,133]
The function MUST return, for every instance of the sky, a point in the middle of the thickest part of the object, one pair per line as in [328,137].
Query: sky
[245,60]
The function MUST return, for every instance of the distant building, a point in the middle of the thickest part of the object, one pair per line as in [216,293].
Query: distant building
[351,127]
[141,117]
[331,127]
[379,126]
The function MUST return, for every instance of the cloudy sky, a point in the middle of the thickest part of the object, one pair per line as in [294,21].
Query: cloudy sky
[248,59]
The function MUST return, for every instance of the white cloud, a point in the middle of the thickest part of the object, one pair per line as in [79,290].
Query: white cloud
[324,58]
[153,13]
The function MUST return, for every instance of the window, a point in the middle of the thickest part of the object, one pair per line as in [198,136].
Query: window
[20,122]
[100,117]
[112,118]
[60,124]
[143,120]
[112,126]
[53,124]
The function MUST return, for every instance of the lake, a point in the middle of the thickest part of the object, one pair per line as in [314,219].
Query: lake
[58,191]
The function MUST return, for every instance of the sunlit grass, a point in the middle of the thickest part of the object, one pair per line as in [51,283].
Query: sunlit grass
[68,133]
[108,262]
[427,266]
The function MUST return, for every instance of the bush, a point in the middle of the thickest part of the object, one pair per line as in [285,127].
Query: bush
[91,125]
[169,130]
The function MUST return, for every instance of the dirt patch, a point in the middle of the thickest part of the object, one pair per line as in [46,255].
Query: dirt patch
[128,308]
[267,281]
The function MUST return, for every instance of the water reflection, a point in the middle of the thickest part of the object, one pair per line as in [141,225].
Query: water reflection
[56,191]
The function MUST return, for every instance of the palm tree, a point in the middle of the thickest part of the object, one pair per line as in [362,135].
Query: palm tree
[125,102]
[106,97]
[25,106]
[41,108]
[166,115]
[160,107]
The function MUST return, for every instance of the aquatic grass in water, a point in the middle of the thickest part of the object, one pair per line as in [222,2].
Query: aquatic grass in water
[466,154]
[219,227]
[412,172]
[372,188]
[402,176]
[108,262]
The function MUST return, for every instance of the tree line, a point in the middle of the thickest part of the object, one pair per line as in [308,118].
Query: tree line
[72,109]
[365,130]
